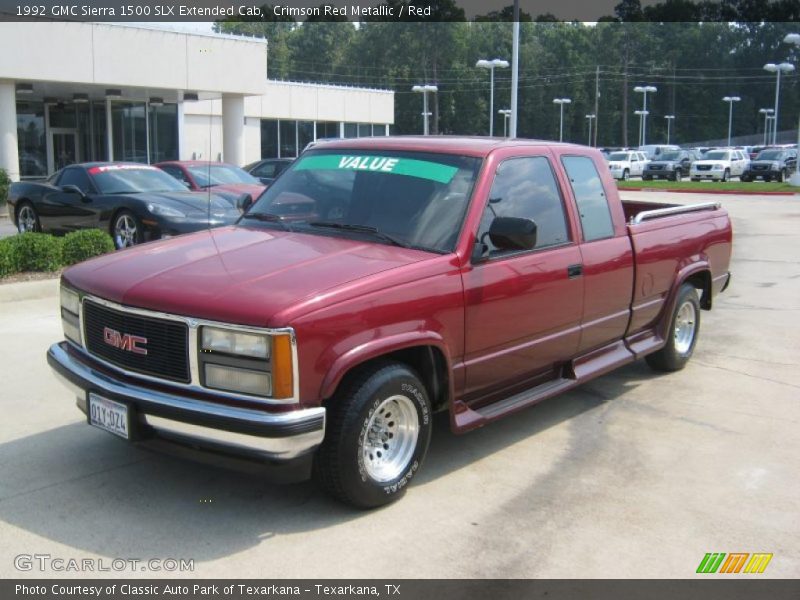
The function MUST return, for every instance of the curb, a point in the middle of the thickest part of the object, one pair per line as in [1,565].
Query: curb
[29,290]
[720,192]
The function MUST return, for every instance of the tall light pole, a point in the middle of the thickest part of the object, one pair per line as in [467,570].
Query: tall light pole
[561,102]
[730,100]
[783,67]
[514,69]
[794,38]
[491,65]
[590,118]
[642,116]
[424,89]
[766,112]
[644,90]
[669,119]
[506,112]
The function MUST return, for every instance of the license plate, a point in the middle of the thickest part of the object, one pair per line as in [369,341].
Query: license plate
[109,415]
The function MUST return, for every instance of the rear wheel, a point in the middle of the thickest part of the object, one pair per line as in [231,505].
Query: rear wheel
[684,328]
[379,428]
[27,219]
[126,229]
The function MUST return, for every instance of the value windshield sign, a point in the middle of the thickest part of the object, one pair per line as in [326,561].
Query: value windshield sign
[379,164]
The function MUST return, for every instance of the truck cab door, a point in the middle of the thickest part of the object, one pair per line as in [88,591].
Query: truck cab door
[522,308]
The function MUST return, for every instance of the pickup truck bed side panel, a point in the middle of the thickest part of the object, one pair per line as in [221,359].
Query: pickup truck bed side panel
[667,246]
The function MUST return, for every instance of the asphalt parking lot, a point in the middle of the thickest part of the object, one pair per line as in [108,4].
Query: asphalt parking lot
[635,475]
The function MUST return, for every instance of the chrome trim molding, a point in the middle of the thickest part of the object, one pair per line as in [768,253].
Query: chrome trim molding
[193,326]
[646,215]
[284,446]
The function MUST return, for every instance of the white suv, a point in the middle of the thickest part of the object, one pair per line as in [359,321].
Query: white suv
[625,164]
[719,165]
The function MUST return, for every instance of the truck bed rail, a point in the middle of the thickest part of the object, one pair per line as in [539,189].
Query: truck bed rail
[647,215]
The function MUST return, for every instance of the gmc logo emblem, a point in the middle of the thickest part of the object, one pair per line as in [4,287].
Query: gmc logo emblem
[127,342]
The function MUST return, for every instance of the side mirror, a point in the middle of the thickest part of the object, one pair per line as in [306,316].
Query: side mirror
[244,202]
[73,189]
[513,233]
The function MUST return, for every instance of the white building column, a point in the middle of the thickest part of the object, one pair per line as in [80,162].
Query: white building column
[9,149]
[233,148]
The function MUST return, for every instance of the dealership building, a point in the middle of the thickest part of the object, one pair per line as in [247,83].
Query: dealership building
[76,92]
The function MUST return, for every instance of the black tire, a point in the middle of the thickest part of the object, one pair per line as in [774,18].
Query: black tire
[726,175]
[677,352]
[27,218]
[647,178]
[745,178]
[626,174]
[343,466]
[677,176]
[126,219]
[781,176]
[695,179]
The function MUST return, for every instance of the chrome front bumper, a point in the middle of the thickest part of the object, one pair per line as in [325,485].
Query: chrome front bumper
[232,430]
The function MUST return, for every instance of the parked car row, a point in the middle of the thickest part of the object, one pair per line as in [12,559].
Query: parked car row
[136,202]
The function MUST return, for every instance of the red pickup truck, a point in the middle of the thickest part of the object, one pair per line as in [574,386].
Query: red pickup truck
[376,282]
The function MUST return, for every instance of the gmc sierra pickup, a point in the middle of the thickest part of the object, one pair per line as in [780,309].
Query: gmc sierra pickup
[375,282]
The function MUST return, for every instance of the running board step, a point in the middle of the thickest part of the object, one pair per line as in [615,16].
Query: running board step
[525,399]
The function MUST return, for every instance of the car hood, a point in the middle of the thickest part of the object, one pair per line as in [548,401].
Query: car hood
[237,274]
[766,163]
[711,161]
[194,203]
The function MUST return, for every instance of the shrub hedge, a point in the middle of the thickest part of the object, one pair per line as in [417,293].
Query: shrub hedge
[43,252]
[4,183]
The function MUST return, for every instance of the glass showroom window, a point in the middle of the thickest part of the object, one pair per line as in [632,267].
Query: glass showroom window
[305,134]
[288,139]
[327,129]
[269,138]
[31,139]
[129,131]
[163,132]
[350,130]
[364,130]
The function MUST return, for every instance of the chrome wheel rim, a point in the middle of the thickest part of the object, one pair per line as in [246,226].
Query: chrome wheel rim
[125,231]
[678,176]
[26,220]
[390,438]
[685,326]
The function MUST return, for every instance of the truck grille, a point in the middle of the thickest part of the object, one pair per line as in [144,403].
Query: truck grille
[656,167]
[703,167]
[760,167]
[167,342]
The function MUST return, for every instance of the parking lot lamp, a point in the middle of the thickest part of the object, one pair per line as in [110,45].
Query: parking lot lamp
[642,115]
[730,100]
[424,89]
[491,65]
[561,102]
[506,112]
[783,67]
[766,112]
[590,118]
[644,90]
[669,119]
[794,38]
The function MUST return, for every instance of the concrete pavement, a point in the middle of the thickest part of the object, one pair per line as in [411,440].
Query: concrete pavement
[636,474]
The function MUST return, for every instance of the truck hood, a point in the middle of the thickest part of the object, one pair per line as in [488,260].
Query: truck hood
[236,274]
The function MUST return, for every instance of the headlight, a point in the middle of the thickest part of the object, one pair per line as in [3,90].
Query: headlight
[717,167]
[233,379]
[234,342]
[70,319]
[165,211]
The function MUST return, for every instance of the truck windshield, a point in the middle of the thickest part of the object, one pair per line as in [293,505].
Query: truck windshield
[412,199]
[671,155]
[771,155]
[717,155]
[620,156]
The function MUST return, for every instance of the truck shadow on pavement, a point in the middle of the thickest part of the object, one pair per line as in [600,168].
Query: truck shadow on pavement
[82,488]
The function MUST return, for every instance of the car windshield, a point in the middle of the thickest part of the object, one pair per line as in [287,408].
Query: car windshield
[717,155]
[770,155]
[131,179]
[618,156]
[211,175]
[411,199]
[671,156]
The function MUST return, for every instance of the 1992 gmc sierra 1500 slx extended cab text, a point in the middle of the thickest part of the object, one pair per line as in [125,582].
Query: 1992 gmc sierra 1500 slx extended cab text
[375,282]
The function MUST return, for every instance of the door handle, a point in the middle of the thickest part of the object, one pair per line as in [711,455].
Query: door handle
[574,271]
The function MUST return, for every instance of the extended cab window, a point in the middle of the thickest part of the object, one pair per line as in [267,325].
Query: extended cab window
[526,188]
[590,196]
[412,199]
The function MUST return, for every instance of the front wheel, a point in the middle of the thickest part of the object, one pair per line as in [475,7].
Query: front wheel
[726,175]
[781,176]
[126,230]
[678,176]
[379,428]
[626,175]
[27,219]
[684,327]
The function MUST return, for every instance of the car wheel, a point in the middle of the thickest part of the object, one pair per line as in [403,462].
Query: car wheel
[781,176]
[126,229]
[726,175]
[678,176]
[695,179]
[745,178]
[646,178]
[683,332]
[27,219]
[626,175]
[378,431]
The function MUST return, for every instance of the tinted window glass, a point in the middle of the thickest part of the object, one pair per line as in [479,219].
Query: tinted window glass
[121,179]
[176,172]
[76,177]
[265,170]
[526,188]
[590,196]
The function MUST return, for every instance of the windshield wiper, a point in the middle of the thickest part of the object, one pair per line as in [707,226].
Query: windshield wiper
[374,231]
[268,218]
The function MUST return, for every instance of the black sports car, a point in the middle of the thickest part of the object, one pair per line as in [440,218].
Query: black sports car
[133,202]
